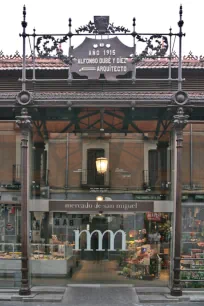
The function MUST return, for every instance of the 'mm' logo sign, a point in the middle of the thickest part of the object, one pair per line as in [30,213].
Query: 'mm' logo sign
[100,239]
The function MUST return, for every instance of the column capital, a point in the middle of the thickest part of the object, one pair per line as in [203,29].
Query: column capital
[180,119]
[24,120]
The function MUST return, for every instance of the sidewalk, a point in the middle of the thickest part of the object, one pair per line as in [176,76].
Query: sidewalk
[38,294]
[111,293]
[162,295]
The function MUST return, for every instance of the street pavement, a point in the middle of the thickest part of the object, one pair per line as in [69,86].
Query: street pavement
[102,296]
[94,303]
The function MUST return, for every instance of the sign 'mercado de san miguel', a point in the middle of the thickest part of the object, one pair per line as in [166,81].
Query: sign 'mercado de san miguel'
[102,56]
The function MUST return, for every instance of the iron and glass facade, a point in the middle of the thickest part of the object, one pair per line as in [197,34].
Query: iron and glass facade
[62,220]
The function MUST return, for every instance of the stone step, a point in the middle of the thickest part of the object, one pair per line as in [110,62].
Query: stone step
[37,298]
[44,298]
[51,290]
[6,290]
[5,297]
[183,298]
[17,297]
[195,292]
[152,290]
[156,299]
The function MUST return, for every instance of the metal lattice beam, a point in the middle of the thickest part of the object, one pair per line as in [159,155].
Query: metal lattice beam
[136,128]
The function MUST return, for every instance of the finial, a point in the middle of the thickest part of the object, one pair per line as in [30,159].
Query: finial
[24,23]
[70,22]
[24,13]
[134,22]
[181,22]
[181,10]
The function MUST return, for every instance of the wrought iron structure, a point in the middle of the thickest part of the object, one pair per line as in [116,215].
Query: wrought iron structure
[44,45]
[156,45]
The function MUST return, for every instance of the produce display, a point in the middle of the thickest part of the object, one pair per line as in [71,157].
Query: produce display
[10,255]
[141,261]
[192,263]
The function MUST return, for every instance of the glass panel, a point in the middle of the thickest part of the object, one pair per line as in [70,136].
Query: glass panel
[10,246]
[101,248]
[192,263]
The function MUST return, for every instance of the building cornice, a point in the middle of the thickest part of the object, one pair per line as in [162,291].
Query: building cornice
[114,98]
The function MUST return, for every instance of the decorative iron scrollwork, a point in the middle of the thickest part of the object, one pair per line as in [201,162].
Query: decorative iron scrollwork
[111,29]
[68,60]
[42,45]
[151,50]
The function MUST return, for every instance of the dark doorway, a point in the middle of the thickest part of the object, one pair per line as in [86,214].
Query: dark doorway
[153,167]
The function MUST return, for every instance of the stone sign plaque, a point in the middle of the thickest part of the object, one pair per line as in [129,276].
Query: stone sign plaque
[109,57]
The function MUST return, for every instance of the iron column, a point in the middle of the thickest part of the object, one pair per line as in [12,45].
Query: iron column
[24,122]
[179,122]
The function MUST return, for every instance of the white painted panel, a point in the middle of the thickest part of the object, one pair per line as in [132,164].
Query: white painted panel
[163,206]
[39,205]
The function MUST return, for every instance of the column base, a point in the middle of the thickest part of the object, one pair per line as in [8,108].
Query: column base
[25,291]
[176,291]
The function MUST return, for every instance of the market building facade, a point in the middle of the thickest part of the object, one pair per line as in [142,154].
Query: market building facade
[95,185]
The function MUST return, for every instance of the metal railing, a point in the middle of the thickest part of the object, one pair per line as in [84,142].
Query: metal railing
[16,173]
[89,179]
[44,179]
[153,179]
[43,175]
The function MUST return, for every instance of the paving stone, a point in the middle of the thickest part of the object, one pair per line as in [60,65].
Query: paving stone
[100,285]
[100,296]
[197,298]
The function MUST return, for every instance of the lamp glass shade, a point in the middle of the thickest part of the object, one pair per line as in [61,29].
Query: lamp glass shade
[101,165]
[99,198]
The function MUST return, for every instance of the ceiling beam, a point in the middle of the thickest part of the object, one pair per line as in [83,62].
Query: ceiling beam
[136,128]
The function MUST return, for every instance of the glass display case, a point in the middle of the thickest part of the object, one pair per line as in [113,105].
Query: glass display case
[51,251]
[45,259]
[192,263]
[10,250]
